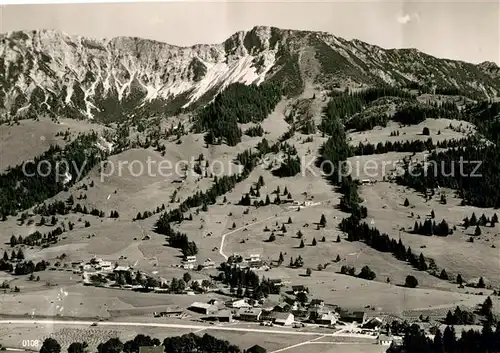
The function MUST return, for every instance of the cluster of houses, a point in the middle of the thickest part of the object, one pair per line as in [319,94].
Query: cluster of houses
[293,314]
[283,313]
[190,263]
[250,261]
[96,265]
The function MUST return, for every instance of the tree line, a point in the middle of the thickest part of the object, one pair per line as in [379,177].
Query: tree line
[416,113]
[63,208]
[415,341]
[364,149]
[429,227]
[238,103]
[254,131]
[482,221]
[472,170]
[22,267]
[344,104]
[244,282]
[186,343]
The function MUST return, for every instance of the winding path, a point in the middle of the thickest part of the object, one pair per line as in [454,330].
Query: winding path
[282,213]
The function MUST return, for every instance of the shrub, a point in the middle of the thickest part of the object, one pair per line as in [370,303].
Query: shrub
[411,282]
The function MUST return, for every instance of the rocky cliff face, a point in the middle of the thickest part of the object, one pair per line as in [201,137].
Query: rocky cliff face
[49,72]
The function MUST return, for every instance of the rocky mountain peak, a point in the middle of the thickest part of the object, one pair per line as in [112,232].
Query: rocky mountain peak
[50,72]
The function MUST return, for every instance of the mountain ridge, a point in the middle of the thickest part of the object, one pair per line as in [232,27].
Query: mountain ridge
[51,72]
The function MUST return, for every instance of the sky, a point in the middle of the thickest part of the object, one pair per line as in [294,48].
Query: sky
[457,29]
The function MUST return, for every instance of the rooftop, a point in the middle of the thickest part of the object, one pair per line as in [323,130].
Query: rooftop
[358,314]
[256,349]
[224,313]
[201,305]
[249,311]
[281,316]
[317,301]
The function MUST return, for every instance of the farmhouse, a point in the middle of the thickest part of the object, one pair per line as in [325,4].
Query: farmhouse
[326,319]
[215,302]
[225,316]
[284,319]
[254,257]
[282,307]
[121,269]
[249,314]
[106,266]
[298,289]
[189,262]
[256,349]
[373,324]
[88,268]
[239,303]
[203,308]
[277,282]
[208,264]
[353,316]
[167,313]
[254,261]
[385,340]
[317,303]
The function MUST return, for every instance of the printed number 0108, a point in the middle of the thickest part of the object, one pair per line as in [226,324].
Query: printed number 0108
[30,343]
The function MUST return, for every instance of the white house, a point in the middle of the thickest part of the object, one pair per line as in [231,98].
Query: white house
[249,314]
[253,261]
[326,319]
[215,302]
[254,257]
[122,269]
[385,340]
[209,264]
[190,259]
[239,303]
[203,308]
[106,265]
[188,265]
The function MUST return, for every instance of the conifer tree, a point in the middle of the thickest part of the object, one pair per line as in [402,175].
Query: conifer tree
[322,221]
[281,258]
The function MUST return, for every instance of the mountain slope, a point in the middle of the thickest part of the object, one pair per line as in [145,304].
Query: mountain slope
[52,73]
